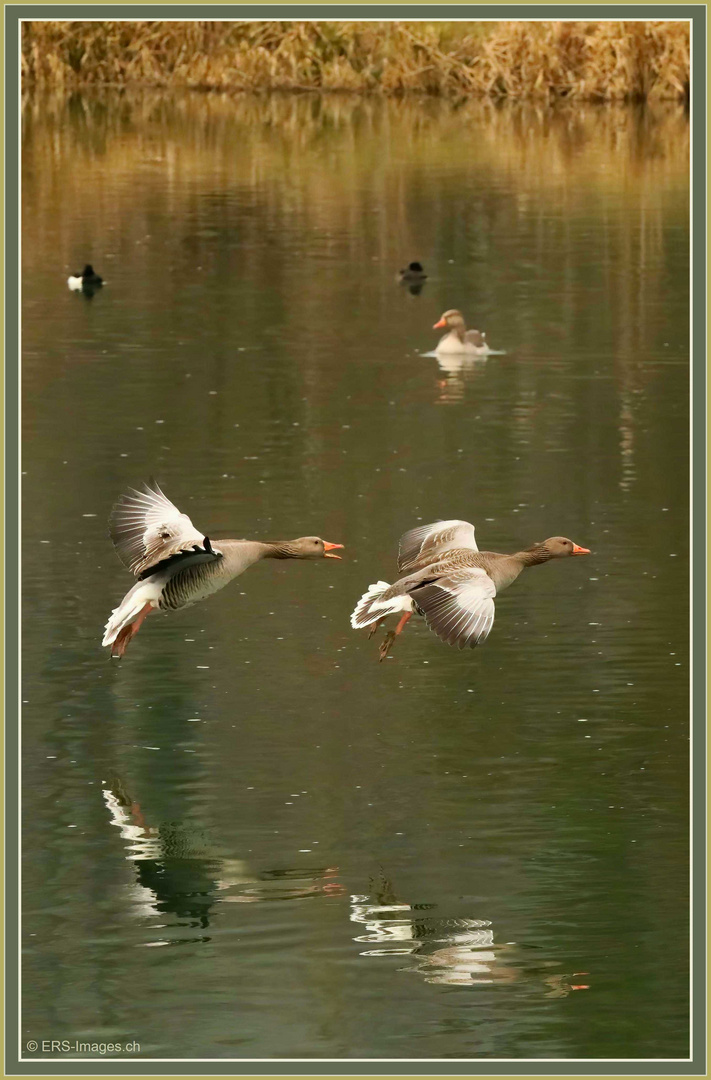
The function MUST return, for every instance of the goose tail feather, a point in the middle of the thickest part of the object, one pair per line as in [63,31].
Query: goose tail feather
[374,605]
[129,609]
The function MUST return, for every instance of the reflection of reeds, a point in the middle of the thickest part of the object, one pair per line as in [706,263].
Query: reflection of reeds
[323,163]
[596,61]
[546,147]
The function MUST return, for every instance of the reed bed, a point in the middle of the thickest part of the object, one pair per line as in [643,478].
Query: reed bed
[587,61]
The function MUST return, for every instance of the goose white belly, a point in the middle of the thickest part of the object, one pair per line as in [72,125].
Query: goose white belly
[452,344]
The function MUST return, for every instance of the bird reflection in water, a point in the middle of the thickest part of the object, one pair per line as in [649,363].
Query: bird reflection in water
[459,373]
[456,951]
[448,951]
[175,877]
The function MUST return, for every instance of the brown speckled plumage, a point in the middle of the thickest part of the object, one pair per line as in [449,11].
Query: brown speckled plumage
[175,564]
[450,582]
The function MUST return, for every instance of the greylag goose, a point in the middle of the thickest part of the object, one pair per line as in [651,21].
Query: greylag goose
[175,564]
[458,339]
[88,279]
[449,581]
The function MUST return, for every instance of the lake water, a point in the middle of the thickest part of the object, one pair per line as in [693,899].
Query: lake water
[249,838]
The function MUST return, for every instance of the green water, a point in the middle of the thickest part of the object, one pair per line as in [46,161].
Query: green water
[248,838]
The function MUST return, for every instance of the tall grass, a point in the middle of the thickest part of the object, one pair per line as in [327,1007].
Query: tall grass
[590,61]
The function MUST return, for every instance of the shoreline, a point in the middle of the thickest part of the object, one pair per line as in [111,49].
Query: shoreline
[593,62]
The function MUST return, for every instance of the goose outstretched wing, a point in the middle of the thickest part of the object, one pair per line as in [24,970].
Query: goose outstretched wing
[146,529]
[423,545]
[459,607]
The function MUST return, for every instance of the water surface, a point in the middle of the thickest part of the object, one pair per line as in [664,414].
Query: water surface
[249,838]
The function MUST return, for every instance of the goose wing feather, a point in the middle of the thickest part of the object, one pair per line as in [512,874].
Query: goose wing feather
[459,608]
[420,546]
[146,528]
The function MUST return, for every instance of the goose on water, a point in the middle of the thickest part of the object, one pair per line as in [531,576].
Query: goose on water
[177,565]
[450,582]
[458,339]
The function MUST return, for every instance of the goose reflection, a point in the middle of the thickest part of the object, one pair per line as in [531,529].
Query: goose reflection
[178,875]
[454,951]
[460,372]
[449,951]
[173,877]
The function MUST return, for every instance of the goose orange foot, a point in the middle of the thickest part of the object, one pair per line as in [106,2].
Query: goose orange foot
[389,638]
[386,644]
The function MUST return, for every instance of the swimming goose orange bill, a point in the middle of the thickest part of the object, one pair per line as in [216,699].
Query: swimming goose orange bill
[441,325]
[448,581]
[175,564]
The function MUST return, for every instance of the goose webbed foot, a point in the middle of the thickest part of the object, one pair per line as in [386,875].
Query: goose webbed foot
[386,644]
[392,634]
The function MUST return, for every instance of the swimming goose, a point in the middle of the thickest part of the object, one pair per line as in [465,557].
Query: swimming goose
[177,565]
[449,581]
[88,279]
[459,339]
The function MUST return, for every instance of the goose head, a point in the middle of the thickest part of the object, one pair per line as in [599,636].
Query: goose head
[313,547]
[559,547]
[451,320]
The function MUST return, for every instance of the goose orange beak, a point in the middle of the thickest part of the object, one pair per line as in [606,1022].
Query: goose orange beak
[439,325]
[577,550]
[328,550]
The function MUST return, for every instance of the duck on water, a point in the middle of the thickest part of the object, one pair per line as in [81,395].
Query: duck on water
[175,564]
[450,582]
[414,277]
[88,281]
[414,272]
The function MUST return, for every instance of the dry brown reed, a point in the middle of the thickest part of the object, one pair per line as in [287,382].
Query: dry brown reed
[589,61]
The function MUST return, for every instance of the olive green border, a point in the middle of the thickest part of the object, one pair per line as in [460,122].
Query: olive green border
[697,13]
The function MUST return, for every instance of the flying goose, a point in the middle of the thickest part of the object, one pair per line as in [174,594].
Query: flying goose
[175,564]
[450,582]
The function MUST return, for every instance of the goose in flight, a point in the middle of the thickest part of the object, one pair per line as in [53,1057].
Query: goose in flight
[450,582]
[175,564]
